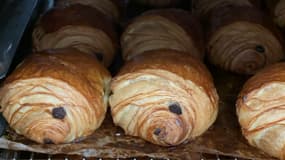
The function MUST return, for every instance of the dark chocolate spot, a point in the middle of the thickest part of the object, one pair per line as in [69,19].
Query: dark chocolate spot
[99,56]
[175,108]
[157,131]
[58,113]
[47,141]
[260,49]
[178,122]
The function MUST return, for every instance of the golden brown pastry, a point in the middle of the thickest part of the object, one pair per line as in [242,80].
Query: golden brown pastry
[164,96]
[242,40]
[163,29]
[108,7]
[56,96]
[261,110]
[277,10]
[158,3]
[77,26]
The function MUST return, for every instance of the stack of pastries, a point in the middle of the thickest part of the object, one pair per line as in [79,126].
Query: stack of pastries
[240,37]
[164,93]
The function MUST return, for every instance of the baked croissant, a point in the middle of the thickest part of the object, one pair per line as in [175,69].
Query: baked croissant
[261,110]
[158,3]
[108,7]
[277,9]
[242,40]
[77,26]
[163,29]
[56,96]
[164,96]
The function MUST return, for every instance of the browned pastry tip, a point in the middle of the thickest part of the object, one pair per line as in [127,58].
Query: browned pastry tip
[165,97]
[111,8]
[277,10]
[77,26]
[242,40]
[163,29]
[56,96]
[260,109]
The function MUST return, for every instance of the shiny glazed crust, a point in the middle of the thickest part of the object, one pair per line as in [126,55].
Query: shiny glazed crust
[56,96]
[164,96]
[163,29]
[260,109]
[77,26]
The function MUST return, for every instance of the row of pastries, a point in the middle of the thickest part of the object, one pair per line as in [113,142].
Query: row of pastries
[163,93]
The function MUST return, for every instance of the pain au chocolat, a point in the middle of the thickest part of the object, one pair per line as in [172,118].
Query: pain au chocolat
[164,96]
[111,8]
[261,110]
[56,96]
[163,29]
[242,39]
[77,26]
